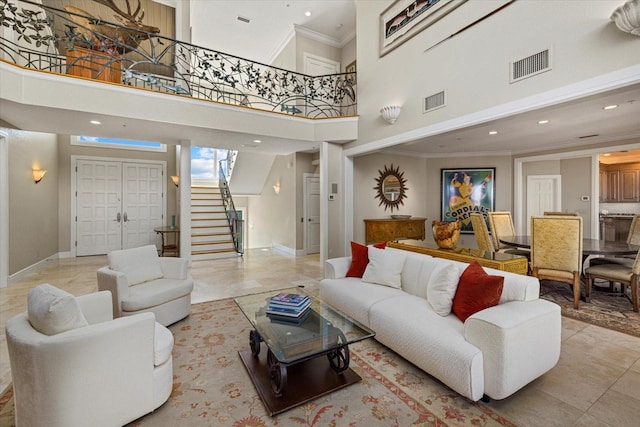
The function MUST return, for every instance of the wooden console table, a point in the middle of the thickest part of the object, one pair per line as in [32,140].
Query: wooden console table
[500,261]
[386,230]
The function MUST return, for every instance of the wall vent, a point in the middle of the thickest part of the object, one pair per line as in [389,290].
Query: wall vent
[530,66]
[433,102]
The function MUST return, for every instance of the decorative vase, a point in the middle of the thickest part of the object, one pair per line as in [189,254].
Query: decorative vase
[173,221]
[446,233]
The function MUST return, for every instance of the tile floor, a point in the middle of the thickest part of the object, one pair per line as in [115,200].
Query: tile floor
[596,382]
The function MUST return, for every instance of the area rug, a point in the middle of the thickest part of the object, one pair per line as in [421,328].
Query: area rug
[212,388]
[611,310]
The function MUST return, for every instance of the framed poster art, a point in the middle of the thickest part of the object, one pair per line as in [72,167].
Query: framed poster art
[465,191]
[404,19]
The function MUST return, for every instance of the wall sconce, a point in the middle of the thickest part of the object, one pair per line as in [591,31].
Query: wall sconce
[627,17]
[276,187]
[38,174]
[175,179]
[390,113]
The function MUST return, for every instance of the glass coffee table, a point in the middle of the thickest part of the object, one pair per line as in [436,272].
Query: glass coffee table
[284,358]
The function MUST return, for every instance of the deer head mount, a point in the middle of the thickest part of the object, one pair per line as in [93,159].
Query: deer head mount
[98,33]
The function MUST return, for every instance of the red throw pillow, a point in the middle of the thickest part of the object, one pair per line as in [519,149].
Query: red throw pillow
[476,291]
[360,258]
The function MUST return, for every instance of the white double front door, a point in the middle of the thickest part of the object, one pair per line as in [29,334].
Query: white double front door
[118,204]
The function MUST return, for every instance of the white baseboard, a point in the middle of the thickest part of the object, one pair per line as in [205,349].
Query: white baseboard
[284,249]
[35,267]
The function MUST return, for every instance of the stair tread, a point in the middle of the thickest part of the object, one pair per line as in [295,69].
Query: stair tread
[212,251]
[211,242]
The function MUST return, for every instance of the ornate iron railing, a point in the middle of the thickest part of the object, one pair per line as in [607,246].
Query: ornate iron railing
[236,223]
[55,40]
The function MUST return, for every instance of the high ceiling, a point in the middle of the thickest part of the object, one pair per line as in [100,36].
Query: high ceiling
[223,26]
[573,124]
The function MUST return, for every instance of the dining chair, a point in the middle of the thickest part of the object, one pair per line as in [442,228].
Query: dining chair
[619,273]
[550,213]
[501,224]
[481,232]
[633,238]
[556,250]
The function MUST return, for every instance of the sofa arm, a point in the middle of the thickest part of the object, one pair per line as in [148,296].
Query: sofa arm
[96,307]
[519,340]
[115,282]
[174,268]
[336,268]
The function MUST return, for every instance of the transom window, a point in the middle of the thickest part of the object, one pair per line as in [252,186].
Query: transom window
[123,144]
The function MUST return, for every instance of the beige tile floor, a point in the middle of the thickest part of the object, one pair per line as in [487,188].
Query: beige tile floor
[596,382]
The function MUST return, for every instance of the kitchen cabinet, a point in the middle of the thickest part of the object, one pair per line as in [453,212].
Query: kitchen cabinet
[616,227]
[619,185]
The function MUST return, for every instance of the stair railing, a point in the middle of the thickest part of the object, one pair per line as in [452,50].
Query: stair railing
[236,224]
[47,38]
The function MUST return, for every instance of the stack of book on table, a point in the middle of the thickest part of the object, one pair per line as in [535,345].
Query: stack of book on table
[286,306]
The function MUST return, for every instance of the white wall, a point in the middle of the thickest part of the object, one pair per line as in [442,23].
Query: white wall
[33,208]
[473,66]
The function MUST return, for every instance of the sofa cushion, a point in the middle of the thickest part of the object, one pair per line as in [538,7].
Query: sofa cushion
[384,268]
[360,258]
[154,293]
[138,264]
[442,286]
[476,291]
[162,344]
[51,310]
[353,297]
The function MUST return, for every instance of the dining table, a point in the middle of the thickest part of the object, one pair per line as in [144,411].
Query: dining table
[590,246]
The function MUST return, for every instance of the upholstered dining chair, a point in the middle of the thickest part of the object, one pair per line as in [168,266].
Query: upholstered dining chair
[480,230]
[551,213]
[633,238]
[620,273]
[501,224]
[556,250]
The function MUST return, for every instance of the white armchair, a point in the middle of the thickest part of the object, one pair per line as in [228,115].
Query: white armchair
[100,372]
[141,281]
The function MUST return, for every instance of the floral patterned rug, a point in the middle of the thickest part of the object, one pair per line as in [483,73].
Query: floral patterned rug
[212,388]
[611,310]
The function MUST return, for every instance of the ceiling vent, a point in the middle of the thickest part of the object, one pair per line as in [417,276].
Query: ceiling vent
[243,19]
[433,102]
[530,66]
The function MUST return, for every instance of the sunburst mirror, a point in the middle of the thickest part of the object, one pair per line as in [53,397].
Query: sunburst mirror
[391,187]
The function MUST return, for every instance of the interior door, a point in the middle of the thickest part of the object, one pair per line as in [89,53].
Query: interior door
[312,214]
[118,205]
[543,194]
[142,204]
[98,207]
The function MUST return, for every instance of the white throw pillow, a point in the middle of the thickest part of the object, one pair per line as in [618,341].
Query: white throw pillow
[384,268]
[138,264]
[441,287]
[51,310]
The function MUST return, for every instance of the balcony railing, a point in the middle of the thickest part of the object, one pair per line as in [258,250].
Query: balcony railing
[55,40]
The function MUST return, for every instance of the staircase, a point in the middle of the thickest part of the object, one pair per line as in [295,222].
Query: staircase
[210,233]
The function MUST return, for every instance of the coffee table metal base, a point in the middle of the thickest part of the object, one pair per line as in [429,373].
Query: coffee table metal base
[306,381]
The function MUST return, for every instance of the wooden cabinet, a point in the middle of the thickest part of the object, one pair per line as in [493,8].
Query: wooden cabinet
[386,230]
[94,65]
[620,183]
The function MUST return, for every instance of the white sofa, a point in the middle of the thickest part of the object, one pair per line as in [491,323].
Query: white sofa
[76,366]
[494,353]
[140,281]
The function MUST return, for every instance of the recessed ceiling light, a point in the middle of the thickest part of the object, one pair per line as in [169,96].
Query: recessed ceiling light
[95,122]
[543,122]
[257,141]
[493,132]
[307,13]
[610,107]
